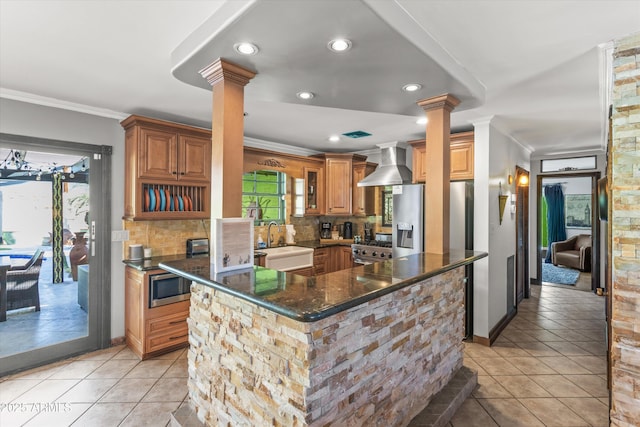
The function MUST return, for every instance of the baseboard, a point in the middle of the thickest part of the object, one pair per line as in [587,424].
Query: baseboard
[117,341]
[495,332]
[535,281]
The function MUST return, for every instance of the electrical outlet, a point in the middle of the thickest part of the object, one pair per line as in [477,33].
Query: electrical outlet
[119,235]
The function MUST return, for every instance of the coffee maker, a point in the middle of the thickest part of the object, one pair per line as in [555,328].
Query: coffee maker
[347,231]
[325,230]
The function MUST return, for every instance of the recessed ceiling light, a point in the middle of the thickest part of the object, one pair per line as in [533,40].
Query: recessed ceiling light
[411,87]
[246,48]
[334,138]
[422,121]
[339,45]
[305,95]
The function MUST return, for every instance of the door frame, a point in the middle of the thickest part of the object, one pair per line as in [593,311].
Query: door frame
[595,224]
[99,304]
[522,214]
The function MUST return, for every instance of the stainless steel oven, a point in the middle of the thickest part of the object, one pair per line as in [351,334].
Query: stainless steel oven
[168,288]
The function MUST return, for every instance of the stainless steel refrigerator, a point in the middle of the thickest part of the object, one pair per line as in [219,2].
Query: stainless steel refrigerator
[408,219]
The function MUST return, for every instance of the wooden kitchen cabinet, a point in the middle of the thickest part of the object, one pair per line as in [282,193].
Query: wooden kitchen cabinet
[307,271]
[167,170]
[338,189]
[330,259]
[150,332]
[363,197]
[343,257]
[314,191]
[461,157]
[321,261]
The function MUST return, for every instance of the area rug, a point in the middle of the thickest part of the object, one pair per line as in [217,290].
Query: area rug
[559,275]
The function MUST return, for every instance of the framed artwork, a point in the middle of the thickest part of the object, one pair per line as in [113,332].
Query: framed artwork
[387,208]
[232,244]
[577,210]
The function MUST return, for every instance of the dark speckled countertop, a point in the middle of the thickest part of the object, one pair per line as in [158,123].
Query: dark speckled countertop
[308,299]
[153,263]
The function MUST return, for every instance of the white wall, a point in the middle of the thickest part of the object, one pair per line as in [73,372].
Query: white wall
[496,157]
[22,118]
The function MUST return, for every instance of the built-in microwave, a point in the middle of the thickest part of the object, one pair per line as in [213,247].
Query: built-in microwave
[168,288]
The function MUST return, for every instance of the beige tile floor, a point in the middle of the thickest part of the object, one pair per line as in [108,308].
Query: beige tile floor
[547,368]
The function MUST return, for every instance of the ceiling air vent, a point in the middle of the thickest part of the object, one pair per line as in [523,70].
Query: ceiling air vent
[357,134]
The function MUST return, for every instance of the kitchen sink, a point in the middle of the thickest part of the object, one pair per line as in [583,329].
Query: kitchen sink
[287,258]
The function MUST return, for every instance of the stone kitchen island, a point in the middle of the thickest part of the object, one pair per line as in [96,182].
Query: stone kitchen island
[370,345]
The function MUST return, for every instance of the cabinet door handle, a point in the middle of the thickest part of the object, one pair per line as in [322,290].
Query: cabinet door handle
[181,173]
[178,337]
[175,322]
[174,173]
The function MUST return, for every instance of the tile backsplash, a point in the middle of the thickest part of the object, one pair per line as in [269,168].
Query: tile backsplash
[164,237]
[169,237]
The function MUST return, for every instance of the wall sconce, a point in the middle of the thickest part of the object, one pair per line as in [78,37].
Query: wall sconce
[502,202]
[523,180]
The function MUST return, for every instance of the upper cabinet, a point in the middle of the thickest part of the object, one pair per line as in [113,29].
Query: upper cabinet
[338,168]
[461,153]
[363,197]
[168,170]
[314,191]
[342,173]
[173,156]
[461,156]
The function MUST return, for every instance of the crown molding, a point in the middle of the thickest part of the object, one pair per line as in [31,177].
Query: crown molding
[276,146]
[31,98]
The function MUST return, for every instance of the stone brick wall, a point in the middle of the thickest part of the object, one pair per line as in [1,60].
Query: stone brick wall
[376,364]
[625,234]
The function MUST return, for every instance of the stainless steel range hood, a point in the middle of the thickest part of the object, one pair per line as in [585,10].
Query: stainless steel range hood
[392,169]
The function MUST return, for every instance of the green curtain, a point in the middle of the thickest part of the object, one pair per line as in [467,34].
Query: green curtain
[557,231]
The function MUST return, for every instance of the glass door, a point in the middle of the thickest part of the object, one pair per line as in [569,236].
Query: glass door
[49,196]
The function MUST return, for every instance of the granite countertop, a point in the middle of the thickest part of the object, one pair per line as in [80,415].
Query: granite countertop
[316,244]
[309,299]
[153,263]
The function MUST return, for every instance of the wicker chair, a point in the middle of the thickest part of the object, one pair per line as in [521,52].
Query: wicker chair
[22,283]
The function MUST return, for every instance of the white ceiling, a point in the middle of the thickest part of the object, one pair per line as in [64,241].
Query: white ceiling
[534,66]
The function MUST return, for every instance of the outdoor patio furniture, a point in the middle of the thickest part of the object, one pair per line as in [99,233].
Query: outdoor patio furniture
[575,252]
[22,283]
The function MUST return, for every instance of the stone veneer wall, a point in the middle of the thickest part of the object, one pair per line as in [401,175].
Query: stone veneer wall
[376,364]
[625,234]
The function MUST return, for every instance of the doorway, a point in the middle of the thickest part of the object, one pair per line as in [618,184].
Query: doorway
[577,209]
[55,250]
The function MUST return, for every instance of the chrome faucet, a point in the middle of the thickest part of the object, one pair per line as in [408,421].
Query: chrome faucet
[269,232]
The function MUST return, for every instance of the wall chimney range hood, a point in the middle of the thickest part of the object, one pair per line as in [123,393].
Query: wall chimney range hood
[392,169]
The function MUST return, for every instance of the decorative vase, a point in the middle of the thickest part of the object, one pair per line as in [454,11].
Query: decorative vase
[78,255]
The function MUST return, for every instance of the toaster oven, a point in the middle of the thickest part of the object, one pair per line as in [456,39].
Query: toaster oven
[197,247]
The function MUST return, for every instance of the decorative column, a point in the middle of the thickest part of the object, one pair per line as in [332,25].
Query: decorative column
[437,166]
[57,232]
[227,133]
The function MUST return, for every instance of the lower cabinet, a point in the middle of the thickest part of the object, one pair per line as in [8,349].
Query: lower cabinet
[307,271]
[321,261]
[333,258]
[150,332]
[344,257]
